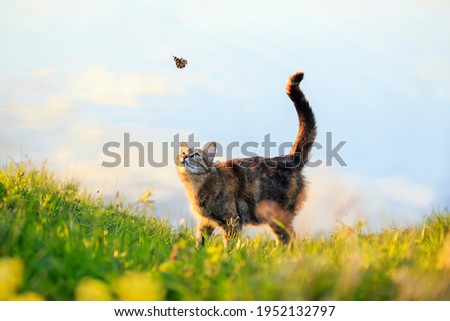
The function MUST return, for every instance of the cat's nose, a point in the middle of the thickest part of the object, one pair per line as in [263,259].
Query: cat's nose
[182,158]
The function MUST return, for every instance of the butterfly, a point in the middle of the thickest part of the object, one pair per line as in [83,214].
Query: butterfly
[180,62]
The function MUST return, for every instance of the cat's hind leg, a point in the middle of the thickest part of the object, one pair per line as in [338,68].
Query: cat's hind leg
[278,218]
[284,231]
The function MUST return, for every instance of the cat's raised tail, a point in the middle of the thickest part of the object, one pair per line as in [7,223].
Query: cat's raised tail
[306,121]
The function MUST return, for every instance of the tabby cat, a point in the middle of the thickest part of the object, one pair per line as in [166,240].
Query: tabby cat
[251,191]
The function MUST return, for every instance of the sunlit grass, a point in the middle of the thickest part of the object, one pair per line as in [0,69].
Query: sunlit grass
[57,243]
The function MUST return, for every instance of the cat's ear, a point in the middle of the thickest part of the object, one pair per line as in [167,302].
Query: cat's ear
[210,151]
[183,148]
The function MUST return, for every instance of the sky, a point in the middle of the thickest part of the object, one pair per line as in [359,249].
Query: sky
[75,75]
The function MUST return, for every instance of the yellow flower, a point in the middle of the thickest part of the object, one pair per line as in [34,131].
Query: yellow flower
[89,289]
[11,271]
[166,266]
[216,254]
[27,296]
[213,262]
[139,286]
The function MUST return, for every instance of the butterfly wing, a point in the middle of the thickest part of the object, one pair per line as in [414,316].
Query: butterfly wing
[180,62]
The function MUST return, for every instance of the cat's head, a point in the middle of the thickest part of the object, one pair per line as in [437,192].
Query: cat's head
[196,161]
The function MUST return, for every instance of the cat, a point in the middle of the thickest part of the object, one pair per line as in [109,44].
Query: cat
[251,191]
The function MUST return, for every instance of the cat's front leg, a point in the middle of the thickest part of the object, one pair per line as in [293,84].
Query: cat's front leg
[204,231]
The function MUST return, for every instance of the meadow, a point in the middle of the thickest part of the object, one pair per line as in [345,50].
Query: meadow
[58,242]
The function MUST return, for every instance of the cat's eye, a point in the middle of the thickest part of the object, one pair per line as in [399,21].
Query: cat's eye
[196,155]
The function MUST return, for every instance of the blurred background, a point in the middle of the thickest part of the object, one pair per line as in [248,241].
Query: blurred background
[75,75]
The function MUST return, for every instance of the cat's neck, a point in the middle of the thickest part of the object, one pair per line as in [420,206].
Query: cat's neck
[196,181]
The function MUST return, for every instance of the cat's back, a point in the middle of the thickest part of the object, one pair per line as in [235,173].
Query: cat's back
[276,177]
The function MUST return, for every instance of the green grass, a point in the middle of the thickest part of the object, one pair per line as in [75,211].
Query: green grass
[63,235]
